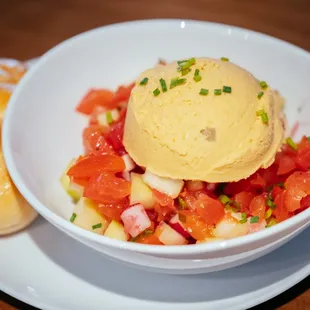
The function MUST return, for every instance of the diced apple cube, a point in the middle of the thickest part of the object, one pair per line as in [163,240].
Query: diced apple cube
[135,220]
[140,192]
[167,186]
[75,191]
[129,163]
[116,231]
[105,118]
[168,235]
[229,227]
[88,218]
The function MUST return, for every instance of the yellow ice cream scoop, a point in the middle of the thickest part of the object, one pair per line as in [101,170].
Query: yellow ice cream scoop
[206,119]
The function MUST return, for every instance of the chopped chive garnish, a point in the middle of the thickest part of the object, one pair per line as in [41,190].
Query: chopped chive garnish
[144,81]
[109,117]
[254,219]
[271,221]
[182,203]
[260,94]
[292,144]
[203,92]
[243,218]
[217,92]
[99,225]
[270,204]
[196,72]
[176,81]
[72,218]
[263,115]
[156,92]
[308,138]
[186,64]
[182,218]
[163,85]
[226,89]
[224,199]
[281,185]
[186,71]
[268,214]
[263,84]
[224,59]
[182,61]
[197,78]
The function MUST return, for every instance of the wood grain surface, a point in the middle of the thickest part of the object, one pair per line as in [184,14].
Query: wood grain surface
[28,28]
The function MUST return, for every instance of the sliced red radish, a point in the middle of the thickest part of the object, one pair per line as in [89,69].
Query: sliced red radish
[195,185]
[168,235]
[165,185]
[129,163]
[135,220]
[176,224]
[126,176]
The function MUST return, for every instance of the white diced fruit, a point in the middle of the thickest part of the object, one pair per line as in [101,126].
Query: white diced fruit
[167,186]
[168,235]
[229,227]
[140,192]
[75,191]
[116,231]
[105,117]
[87,217]
[129,163]
[135,220]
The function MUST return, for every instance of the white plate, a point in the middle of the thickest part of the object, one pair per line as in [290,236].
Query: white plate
[47,269]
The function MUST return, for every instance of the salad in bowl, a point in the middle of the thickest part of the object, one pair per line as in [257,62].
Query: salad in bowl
[193,151]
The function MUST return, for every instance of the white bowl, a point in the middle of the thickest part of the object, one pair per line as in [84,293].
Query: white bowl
[42,132]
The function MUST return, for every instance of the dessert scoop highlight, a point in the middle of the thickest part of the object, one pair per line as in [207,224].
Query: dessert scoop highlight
[192,152]
[182,133]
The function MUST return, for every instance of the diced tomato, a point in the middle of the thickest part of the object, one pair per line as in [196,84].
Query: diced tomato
[189,198]
[107,188]
[298,187]
[286,165]
[276,190]
[244,199]
[210,210]
[80,181]
[163,199]
[94,98]
[195,225]
[114,210]
[95,165]
[164,212]
[303,154]
[233,188]
[123,93]
[280,212]
[258,207]
[305,203]
[95,142]
[149,239]
[115,135]
[257,181]
[270,175]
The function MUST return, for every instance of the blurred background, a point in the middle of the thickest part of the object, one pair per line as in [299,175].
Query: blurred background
[28,28]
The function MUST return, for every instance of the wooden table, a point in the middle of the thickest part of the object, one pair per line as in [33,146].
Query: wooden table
[28,28]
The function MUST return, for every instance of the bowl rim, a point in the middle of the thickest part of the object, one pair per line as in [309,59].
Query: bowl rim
[78,232]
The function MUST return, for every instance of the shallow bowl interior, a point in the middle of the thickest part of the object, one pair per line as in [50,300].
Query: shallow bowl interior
[42,132]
